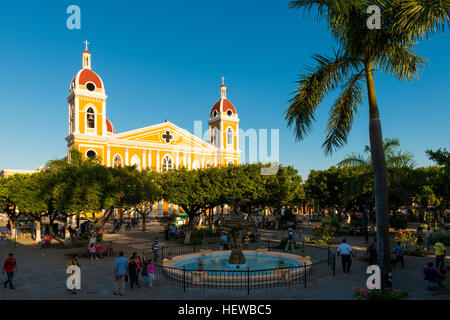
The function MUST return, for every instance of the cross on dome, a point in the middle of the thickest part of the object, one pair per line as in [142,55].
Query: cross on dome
[223,80]
[86,43]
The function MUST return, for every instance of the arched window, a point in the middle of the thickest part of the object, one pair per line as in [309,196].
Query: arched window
[117,161]
[230,136]
[167,163]
[215,137]
[135,161]
[230,163]
[208,164]
[90,118]
[91,154]
[72,118]
[195,165]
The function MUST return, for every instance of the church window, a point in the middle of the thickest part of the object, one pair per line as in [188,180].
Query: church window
[229,113]
[72,118]
[195,165]
[230,163]
[215,113]
[229,136]
[135,161]
[90,86]
[91,154]
[208,164]
[215,137]
[90,117]
[167,163]
[117,161]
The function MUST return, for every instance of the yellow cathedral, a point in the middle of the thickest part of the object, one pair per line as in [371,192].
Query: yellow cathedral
[162,146]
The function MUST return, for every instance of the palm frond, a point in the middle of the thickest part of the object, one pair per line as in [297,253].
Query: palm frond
[313,87]
[401,160]
[421,18]
[343,112]
[401,61]
[354,160]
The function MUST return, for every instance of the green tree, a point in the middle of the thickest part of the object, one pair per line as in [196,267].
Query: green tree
[363,51]
[194,191]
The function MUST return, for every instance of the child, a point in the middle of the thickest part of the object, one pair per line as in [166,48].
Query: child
[150,273]
[99,249]
[92,252]
[110,249]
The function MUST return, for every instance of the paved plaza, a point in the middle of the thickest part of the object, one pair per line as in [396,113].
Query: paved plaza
[42,274]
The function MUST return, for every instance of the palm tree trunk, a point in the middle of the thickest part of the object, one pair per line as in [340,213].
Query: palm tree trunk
[381,184]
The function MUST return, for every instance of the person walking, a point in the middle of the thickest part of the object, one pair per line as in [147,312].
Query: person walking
[9,266]
[419,235]
[428,235]
[120,273]
[439,251]
[346,253]
[290,241]
[398,254]
[73,262]
[92,252]
[224,242]
[372,252]
[109,250]
[150,273]
[132,271]
[155,247]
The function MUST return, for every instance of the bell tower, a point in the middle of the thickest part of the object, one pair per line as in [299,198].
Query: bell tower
[87,100]
[224,128]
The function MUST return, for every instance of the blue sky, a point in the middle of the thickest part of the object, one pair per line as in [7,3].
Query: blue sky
[163,60]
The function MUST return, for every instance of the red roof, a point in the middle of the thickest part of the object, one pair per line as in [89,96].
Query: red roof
[227,105]
[85,51]
[109,126]
[87,75]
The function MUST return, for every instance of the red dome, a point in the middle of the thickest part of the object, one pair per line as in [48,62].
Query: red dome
[87,75]
[227,105]
[109,127]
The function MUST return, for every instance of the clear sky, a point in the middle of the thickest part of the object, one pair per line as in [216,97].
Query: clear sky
[164,60]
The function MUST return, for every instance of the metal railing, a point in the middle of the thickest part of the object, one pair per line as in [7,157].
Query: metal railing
[323,264]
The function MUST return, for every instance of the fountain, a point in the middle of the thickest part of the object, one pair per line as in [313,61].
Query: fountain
[237,266]
[235,224]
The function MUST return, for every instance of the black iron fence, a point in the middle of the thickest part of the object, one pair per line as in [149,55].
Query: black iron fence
[322,264]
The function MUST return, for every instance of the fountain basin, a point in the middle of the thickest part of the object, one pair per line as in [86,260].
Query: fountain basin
[261,267]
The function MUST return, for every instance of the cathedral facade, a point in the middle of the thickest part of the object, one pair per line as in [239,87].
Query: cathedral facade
[162,146]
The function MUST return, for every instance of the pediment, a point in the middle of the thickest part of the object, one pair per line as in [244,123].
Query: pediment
[165,134]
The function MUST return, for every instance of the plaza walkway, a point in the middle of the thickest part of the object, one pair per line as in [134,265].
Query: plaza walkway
[42,275]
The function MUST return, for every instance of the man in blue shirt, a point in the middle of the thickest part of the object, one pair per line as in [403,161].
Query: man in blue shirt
[223,242]
[398,254]
[346,253]
[120,272]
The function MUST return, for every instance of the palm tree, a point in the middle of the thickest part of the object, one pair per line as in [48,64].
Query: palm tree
[361,52]
[394,158]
